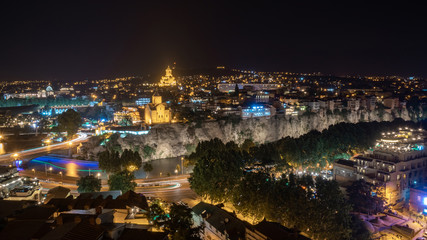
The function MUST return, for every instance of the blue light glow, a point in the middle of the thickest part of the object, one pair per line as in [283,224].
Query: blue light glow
[61,163]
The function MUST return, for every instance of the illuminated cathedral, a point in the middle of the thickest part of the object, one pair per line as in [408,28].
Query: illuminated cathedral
[168,79]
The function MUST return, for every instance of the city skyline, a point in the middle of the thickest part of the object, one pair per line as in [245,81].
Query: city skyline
[105,40]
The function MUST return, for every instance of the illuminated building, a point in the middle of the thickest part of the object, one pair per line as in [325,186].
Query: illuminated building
[418,199]
[255,111]
[397,162]
[143,101]
[230,87]
[168,79]
[156,111]
[127,113]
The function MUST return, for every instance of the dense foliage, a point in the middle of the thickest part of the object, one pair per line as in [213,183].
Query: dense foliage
[315,207]
[69,121]
[178,222]
[113,162]
[88,184]
[227,172]
[123,181]
[319,149]
[365,198]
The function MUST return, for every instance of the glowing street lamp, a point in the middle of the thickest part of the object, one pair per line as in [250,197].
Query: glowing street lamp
[131,168]
[62,178]
[34,171]
[70,144]
[50,169]
[176,171]
[98,175]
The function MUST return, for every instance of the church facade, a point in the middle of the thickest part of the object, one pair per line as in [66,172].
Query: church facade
[157,111]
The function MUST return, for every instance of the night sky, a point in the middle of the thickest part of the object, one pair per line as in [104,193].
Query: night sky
[77,40]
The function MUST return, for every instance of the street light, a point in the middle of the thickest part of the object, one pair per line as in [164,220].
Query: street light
[69,150]
[34,171]
[50,169]
[98,175]
[176,171]
[62,178]
[182,165]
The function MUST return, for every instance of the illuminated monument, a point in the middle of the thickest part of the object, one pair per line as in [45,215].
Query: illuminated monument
[157,112]
[168,79]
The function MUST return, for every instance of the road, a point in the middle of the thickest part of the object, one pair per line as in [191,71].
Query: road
[34,152]
[171,189]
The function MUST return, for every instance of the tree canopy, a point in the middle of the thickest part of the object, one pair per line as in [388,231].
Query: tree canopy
[70,122]
[123,181]
[180,223]
[364,198]
[88,184]
[113,162]
[227,172]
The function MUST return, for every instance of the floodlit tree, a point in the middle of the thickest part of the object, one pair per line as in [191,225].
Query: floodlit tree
[364,199]
[157,214]
[70,122]
[109,161]
[181,225]
[123,181]
[88,184]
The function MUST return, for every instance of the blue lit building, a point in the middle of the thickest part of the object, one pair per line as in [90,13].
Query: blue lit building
[143,101]
[257,110]
[418,200]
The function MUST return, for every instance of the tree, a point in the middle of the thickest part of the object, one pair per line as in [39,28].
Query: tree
[157,214]
[88,184]
[130,160]
[247,145]
[364,199]
[70,122]
[126,121]
[147,168]
[236,90]
[181,225]
[112,161]
[217,171]
[359,230]
[109,161]
[123,181]
[329,210]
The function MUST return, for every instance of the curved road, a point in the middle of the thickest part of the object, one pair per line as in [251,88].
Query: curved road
[172,189]
[30,153]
